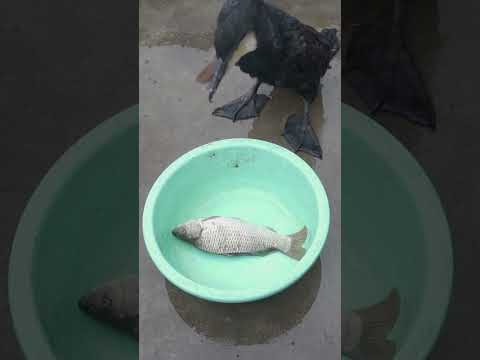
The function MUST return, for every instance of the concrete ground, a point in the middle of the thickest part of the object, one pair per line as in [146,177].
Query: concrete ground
[175,116]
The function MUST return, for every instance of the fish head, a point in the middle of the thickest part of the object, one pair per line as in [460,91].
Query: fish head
[189,231]
[114,303]
[99,303]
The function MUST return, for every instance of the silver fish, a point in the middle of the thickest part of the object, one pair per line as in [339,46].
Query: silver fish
[365,331]
[227,236]
[115,303]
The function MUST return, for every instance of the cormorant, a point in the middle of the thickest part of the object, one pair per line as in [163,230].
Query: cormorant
[275,48]
[382,72]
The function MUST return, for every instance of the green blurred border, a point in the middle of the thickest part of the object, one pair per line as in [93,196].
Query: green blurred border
[28,328]
[432,312]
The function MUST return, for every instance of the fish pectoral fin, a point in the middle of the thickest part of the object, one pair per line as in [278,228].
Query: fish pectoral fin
[258,253]
[262,253]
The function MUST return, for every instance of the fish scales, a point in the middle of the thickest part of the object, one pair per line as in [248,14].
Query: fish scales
[229,236]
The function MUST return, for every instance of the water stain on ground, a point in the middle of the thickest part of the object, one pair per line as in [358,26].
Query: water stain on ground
[233,323]
[188,23]
[201,41]
[270,123]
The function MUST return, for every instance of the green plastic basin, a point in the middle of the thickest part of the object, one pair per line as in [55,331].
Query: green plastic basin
[79,229]
[394,234]
[251,179]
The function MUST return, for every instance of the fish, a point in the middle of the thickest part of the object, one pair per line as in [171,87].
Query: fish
[114,303]
[229,236]
[364,331]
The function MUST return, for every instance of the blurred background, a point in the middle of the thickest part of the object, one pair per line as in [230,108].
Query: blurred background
[66,67]
[441,37]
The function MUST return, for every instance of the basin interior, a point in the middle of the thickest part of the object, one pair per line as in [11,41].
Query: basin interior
[383,239]
[89,235]
[249,182]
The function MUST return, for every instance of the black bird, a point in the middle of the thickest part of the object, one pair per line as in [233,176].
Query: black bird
[275,48]
[383,73]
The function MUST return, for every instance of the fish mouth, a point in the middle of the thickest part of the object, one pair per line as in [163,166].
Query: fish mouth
[84,304]
[178,232]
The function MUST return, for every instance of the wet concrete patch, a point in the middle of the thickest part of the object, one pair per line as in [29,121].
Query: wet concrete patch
[192,22]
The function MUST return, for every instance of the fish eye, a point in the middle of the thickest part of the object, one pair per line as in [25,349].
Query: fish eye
[106,301]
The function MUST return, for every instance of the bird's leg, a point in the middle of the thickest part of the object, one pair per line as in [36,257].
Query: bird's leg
[246,107]
[300,135]
[250,96]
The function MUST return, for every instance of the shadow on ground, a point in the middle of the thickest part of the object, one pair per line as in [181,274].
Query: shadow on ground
[233,323]
[271,122]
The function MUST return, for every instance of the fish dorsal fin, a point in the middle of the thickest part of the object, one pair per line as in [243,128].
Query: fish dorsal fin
[210,218]
[224,217]
[240,220]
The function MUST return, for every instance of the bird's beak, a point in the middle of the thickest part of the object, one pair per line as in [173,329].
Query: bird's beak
[220,69]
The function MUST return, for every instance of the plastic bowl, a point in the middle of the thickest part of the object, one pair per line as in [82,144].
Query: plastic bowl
[79,229]
[251,179]
[394,234]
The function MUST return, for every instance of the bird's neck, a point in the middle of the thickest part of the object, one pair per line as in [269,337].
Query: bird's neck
[248,44]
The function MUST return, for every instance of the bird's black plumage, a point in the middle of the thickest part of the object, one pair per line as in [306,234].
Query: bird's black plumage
[379,67]
[289,54]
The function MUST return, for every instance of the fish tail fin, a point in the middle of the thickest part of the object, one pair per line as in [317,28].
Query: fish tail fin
[297,239]
[377,321]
